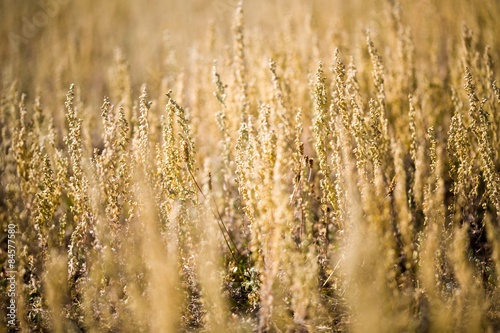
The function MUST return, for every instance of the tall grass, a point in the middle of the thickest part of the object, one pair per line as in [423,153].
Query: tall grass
[338,172]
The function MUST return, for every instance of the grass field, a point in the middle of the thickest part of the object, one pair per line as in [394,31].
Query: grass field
[257,166]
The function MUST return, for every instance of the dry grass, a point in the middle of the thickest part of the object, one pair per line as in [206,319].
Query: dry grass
[286,167]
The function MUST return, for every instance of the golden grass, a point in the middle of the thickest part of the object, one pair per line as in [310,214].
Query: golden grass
[268,166]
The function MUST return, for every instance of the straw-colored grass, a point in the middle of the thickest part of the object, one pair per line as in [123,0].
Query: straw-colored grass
[270,166]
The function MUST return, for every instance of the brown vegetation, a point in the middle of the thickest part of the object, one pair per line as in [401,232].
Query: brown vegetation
[299,166]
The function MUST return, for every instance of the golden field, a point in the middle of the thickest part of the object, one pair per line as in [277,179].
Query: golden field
[256,166]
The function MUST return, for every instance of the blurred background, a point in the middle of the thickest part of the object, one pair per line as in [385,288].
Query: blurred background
[61,41]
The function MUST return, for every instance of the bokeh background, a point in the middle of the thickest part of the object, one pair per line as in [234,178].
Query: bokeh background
[63,41]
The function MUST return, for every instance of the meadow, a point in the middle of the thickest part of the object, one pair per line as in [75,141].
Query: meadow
[256,166]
